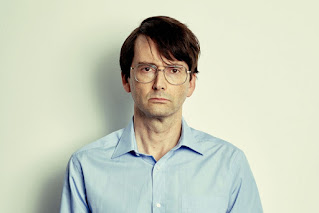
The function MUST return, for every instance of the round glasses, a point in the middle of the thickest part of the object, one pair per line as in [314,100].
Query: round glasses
[174,74]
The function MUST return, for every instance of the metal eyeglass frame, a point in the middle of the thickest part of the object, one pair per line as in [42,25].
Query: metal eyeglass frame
[157,70]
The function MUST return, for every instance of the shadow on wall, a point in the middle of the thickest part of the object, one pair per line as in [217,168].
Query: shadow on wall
[115,105]
[50,196]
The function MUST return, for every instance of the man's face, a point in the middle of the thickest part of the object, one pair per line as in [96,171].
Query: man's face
[157,98]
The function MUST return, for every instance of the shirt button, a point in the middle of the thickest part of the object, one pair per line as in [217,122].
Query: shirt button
[158,205]
[158,168]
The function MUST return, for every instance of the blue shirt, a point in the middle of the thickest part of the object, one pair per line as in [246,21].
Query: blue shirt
[201,174]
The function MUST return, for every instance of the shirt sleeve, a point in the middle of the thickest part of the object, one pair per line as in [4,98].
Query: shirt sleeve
[244,197]
[73,194]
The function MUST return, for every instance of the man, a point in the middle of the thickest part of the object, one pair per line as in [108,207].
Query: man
[158,163]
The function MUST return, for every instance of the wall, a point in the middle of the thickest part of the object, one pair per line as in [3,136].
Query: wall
[60,89]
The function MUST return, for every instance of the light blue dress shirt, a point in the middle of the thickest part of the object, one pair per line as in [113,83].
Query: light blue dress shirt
[201,174]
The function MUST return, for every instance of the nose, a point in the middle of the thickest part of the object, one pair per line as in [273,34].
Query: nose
[160,81]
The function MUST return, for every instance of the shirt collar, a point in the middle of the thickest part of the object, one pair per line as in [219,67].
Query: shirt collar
[188,140]
[127,141]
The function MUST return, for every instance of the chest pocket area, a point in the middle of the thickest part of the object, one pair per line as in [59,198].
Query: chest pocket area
[201,204]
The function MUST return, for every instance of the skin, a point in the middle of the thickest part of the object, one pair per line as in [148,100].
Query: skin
[158,104]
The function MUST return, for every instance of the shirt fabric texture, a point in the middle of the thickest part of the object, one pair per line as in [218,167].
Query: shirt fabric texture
[201,174]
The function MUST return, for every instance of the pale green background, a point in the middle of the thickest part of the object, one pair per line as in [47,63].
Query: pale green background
[60,89]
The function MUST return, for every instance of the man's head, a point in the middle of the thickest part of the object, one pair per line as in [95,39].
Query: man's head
[174,41]
[159,64]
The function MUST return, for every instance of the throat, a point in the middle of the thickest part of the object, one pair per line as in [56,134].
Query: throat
[157,138]
[156,151]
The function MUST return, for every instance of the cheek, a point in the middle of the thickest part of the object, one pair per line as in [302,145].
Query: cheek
[184,91]
[138,93]
[181,94]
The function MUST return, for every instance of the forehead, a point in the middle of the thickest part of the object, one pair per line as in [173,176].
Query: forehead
[145,47]
[145,50]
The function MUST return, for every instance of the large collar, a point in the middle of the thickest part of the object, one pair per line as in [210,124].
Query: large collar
[127,141]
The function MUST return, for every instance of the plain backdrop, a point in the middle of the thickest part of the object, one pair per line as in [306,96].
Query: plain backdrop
[60,89]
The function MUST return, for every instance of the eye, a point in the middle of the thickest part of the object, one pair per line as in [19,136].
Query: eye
[175,70]
[145,68]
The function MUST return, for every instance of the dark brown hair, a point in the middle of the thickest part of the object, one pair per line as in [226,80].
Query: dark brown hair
[173,39]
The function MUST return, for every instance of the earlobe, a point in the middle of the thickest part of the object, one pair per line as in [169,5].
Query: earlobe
[126,84]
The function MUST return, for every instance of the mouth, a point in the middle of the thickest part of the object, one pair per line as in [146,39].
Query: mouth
[162,100]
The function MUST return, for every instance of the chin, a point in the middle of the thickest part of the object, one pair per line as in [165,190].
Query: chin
[159,113]
[156,111]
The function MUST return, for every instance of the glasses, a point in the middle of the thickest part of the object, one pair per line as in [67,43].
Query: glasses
[174,74]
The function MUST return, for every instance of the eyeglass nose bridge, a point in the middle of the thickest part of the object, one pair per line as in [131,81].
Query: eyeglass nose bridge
[156,73]
[157,70]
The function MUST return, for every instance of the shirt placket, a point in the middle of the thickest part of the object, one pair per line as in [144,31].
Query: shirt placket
[158,175]
[158,179]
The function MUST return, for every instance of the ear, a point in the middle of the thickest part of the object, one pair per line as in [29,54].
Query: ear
[192,85]
[126,84]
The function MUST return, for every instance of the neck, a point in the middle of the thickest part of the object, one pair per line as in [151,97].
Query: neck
[157,135]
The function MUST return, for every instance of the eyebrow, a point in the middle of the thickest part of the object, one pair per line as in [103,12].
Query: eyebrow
[150,63]
[145,62]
